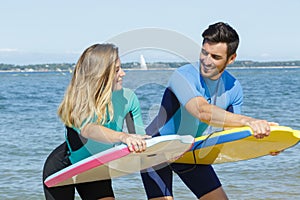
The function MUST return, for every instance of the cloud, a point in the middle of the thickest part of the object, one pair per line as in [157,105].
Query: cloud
[8,50]
[14,56]
[265,55]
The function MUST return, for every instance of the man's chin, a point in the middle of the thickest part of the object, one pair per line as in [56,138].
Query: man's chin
[205,73]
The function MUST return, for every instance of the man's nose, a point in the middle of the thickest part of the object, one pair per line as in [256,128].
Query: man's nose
[207,60]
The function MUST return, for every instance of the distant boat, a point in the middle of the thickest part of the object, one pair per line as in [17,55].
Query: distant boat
[59,70]
[143,63]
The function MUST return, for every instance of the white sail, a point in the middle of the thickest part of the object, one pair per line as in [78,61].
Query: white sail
[143,62]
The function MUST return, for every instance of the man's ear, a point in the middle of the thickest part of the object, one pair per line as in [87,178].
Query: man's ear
[231,59]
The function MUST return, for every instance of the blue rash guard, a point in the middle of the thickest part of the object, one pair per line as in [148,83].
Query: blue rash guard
[126,106]
[185,84]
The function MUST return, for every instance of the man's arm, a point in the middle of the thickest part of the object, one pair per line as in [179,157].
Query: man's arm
[215,116]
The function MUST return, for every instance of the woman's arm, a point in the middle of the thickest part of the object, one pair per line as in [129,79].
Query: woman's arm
[100,133]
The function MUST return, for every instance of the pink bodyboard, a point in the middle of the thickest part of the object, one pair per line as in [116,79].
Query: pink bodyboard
[119,161]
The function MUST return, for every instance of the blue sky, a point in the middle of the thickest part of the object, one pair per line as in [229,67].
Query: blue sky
[35,31]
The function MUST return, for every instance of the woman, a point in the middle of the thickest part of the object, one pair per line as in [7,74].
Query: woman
[93,110]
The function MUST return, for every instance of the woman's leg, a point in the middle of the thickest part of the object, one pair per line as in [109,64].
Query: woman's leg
[96,190]
[56,161]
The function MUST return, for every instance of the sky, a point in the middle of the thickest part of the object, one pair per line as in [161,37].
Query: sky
[56,31]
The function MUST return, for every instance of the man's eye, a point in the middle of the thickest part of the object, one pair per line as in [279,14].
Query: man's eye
[204,52]
[217,57]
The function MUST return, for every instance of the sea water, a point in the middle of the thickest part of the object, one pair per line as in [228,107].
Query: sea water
[30,130]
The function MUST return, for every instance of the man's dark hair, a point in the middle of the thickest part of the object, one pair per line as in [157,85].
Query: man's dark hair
[222,32]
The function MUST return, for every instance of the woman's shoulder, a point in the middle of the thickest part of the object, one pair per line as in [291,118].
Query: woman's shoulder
[126,93]
[128,90]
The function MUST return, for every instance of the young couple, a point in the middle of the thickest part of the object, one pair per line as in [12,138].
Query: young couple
[198,96]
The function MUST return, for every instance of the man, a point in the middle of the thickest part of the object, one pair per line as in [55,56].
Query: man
[200,99]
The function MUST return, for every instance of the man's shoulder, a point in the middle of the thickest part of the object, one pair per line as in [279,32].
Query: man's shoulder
[230,80]
[189,66]
[228,75]
[188,69]
[188,73]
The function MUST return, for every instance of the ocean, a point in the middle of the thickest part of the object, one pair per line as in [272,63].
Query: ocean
[30,130]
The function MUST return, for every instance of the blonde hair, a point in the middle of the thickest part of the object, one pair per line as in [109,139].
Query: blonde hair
[89,92]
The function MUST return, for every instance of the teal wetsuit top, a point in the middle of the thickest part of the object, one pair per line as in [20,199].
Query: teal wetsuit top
[125,105]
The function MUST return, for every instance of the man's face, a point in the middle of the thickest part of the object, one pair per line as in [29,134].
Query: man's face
[213,59]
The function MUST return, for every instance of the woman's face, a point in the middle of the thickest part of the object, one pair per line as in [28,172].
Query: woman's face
[118,80]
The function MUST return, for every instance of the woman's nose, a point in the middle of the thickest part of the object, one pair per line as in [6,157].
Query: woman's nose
[122,72]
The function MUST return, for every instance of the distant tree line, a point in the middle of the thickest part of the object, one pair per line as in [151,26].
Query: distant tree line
[235,64]
[155,65]
[37,67]
[265,64]
[134,65]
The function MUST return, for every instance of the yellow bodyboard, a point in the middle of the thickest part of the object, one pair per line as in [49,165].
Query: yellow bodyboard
[238,144]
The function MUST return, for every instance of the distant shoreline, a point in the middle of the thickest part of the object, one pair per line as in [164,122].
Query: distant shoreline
[139,69]
[265,67]
[69,67]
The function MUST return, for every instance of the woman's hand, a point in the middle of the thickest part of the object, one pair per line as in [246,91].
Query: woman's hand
[136,143]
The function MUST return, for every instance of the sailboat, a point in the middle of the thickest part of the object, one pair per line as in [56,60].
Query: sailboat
[143,63]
